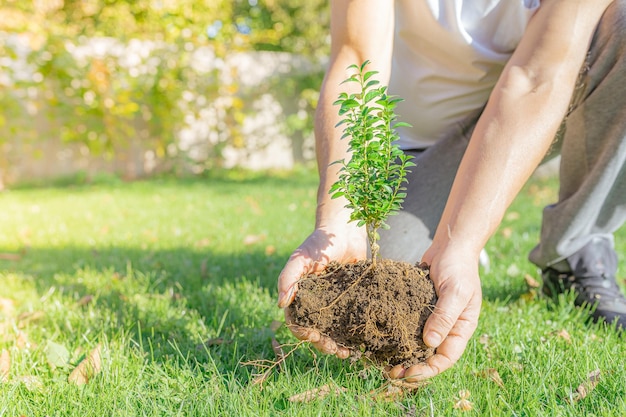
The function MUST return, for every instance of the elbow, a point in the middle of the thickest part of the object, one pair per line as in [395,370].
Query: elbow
[518,81]
[521,84]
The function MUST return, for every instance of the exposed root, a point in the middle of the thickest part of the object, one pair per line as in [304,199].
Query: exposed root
[268,365]
[354,284]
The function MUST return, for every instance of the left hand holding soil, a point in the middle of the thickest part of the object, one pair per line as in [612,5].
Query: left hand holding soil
[342,242]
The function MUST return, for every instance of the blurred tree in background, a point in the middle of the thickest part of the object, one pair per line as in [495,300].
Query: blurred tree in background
[116,76]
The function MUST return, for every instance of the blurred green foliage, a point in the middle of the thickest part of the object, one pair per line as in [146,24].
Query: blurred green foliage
[164,61]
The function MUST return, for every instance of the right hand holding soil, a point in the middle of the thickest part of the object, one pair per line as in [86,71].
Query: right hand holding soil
[312,256]
[455,317]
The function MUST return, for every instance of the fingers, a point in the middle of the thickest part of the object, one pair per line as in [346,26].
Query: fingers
[397,372]
[342,352]
[448,353]
[321,342]
[454,299]
[305,333]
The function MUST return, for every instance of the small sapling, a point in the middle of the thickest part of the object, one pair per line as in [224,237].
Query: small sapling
[372,180]
[376,310]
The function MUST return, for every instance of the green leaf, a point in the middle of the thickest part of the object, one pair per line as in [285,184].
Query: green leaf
[371,180]
[349,104]
[369,74]
[57,355]
[370,96]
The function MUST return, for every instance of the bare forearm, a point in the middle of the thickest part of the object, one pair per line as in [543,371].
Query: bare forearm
[352,44]
[508,144]
[329,148]
[520,120]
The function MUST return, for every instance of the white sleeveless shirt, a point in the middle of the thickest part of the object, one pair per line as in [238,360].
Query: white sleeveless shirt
[448,55]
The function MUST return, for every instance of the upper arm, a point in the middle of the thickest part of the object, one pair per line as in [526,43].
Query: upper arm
[554,47]
[362,30]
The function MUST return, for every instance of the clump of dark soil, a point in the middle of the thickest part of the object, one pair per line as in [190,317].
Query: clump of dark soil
[377,312]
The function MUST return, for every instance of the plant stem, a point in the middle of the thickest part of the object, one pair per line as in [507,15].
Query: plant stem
[372,237]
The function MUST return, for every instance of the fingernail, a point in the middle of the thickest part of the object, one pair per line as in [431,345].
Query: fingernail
[432,339]
[418,374]
[283,299]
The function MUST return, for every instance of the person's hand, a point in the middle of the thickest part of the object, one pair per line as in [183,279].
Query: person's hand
[455,317]
[344,244]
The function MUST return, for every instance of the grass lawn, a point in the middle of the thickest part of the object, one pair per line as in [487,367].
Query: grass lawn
[174,282]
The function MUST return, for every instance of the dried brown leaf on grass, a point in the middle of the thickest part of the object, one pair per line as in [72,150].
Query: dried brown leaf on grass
[253,239]
[29,317]
[215,341]
[388,393]
[254,205]
[203,268]
[585,388]
[394,388]
[485,340]
[22,342]
[463,403]
[563,334]
[86,299]
[5,365]
[531,282]
[316,393]
[492,374]
[87,368]
[7,306]
[10,256]
[512,215]
[4,327]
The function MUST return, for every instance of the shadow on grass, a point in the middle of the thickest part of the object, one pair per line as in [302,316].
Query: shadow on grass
[158,298]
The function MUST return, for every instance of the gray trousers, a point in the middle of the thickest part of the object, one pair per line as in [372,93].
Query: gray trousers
[592,144]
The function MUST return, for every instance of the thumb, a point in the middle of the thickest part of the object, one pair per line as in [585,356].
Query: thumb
[288,280]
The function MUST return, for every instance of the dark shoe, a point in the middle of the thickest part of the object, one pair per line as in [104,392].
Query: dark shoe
[592,279]
[599,292]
